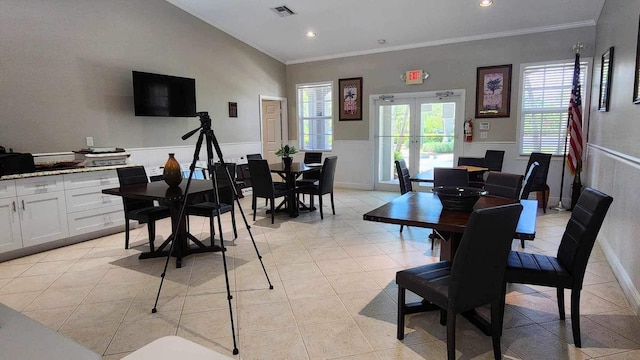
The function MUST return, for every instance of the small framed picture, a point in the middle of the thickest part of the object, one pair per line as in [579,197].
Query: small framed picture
[493,91]
[233,110]
[605,80]
[350,98]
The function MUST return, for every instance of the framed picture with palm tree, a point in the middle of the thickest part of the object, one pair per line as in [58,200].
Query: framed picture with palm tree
[493,91]
[350,98]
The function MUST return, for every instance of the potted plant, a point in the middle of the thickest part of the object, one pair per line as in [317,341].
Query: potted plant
[285,152]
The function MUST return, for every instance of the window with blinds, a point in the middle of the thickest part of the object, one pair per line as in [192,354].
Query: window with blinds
[544,99]
[315,123]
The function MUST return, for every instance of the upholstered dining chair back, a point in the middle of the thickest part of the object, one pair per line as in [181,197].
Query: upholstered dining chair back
[503,184]
[403,176]
[254,157]
[450,177]
[471,161]
[493,160]
[312,157]
[529,177]
[539,182]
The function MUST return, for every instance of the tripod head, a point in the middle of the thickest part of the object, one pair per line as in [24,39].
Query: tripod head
[205,124]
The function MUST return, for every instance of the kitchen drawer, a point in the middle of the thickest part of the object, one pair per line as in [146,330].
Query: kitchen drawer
[7,189]
[105,178]
[89,198]
[39,185]
[95,220]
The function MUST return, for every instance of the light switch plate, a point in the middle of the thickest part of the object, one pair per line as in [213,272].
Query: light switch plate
[484,125]
[89,140]
[483,135]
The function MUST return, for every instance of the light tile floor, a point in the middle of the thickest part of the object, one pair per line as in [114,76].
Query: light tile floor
[334,293]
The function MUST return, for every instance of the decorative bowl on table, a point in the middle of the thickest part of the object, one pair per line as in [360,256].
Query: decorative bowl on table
[457,198]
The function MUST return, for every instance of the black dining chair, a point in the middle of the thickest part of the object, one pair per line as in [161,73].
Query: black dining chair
[474,278]
[403,179]
[144,211]
[566,269]
[447,177]
[450,177]
[526,185]
[493,160]
[503,185]
[475,179]
[254,157]
[532,170]
[539,182]
[210,206]
[310,177]
[470,161]
[264,187]
[325,184]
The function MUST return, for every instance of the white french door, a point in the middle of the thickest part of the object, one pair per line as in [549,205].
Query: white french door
[423,129]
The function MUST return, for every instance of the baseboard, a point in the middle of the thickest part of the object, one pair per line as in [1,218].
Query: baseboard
[631,292]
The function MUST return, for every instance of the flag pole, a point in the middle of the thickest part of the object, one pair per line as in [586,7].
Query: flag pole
[577,48]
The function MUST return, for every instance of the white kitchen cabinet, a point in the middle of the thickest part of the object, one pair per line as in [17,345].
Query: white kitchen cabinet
[42,209]
[88,209]
[10,238]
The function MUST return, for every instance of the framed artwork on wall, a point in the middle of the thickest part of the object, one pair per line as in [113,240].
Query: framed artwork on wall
[350,98]
[636,83]
[606,70]
[233,109]
[493,91]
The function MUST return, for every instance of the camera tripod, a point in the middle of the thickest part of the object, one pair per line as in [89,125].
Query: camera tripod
[206,133]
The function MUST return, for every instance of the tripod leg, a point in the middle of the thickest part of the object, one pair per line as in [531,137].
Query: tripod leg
[226,277]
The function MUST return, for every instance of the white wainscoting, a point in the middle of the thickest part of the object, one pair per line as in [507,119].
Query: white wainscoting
[617,175]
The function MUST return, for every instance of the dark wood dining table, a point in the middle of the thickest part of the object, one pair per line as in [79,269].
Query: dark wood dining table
[172,197]
[421,209]
[427,176]
[290,174]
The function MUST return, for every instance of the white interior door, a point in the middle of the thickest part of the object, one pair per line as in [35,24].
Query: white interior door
[271,129]
[423,129]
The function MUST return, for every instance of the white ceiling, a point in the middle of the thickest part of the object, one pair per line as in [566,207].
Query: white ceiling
[353,27]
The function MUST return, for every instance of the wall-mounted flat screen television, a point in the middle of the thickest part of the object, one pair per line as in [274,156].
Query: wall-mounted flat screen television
[163,95]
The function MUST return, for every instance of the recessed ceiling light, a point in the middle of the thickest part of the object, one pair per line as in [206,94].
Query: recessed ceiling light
[486,2]
[311,34]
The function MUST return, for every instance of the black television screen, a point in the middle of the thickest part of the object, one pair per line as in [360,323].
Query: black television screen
[163,95]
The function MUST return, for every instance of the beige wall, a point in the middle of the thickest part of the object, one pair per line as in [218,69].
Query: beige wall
[450,67]
[613,162]
[66,74]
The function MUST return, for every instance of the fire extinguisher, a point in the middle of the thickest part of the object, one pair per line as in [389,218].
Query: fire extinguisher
[468,130]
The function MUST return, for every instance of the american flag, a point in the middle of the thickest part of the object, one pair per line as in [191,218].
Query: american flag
[575,122]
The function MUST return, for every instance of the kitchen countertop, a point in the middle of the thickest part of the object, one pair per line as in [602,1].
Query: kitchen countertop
[62,171]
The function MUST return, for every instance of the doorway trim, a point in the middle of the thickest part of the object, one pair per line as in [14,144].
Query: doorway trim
[284,122]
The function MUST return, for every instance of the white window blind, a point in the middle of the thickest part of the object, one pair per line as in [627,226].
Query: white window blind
[545,95]
[315,123]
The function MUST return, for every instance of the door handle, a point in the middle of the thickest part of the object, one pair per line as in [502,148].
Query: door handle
[13,203]
[23,208]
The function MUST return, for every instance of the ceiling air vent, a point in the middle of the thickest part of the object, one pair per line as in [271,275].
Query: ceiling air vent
[282,11]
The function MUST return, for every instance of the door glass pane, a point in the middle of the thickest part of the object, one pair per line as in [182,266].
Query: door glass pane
[394,122]
[437,127]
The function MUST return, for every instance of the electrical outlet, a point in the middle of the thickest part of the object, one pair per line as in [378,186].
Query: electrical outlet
[483,134]
[89,140]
